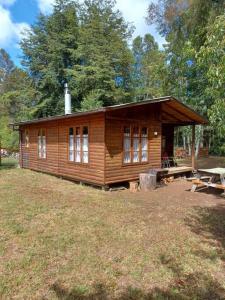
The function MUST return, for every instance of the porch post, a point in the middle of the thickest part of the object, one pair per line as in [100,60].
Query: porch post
[193,148]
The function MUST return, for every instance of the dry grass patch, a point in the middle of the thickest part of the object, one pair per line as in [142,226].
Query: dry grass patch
[60,240]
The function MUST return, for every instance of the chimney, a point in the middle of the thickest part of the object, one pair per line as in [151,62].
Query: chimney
[67,100]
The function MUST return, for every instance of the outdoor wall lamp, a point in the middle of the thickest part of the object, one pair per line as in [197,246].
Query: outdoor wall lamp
[155,133]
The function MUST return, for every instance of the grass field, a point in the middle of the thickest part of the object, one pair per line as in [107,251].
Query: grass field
[60,240]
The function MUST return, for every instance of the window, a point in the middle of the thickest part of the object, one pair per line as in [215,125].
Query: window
[41,144]
[78,144]
[26,138]
[135,144]
[71,145]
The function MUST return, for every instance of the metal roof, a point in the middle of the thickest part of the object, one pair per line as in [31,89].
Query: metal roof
[197,118]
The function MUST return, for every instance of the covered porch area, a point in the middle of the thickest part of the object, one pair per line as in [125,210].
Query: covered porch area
[175,114]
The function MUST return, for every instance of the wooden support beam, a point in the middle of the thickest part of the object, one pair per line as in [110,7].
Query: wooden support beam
[193,147]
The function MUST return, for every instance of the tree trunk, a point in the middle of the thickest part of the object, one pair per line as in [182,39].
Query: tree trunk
[147,181]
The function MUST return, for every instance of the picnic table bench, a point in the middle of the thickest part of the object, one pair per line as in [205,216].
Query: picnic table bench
[214,178]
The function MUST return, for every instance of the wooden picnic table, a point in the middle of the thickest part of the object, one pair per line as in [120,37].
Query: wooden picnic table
[210,178]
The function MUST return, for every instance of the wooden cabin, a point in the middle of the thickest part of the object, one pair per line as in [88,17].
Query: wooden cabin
[107,145]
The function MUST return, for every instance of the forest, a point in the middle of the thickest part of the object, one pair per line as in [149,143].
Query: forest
[91,47]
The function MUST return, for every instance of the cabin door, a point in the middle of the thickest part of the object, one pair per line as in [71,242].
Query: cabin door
[24,150]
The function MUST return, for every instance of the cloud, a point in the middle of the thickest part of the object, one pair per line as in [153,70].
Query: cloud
[7,2]
[45,6]
[134,11]
[10,32]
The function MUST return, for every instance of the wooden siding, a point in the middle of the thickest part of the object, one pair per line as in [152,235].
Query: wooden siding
[115,170]
[56,161]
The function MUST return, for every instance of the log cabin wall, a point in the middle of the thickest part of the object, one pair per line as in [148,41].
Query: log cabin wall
[57,149]
[115,169]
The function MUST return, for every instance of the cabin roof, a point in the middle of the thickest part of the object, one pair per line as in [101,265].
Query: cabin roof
[173,111]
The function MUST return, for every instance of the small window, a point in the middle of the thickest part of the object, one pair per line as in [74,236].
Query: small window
[135,144]
[26,138]
[41,143]
[79,145]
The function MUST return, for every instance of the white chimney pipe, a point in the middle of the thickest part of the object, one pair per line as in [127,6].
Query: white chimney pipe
[67,100]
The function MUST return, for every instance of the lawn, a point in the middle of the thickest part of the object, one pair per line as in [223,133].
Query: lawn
[60,240]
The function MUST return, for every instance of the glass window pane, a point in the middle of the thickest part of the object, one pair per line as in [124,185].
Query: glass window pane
[43,147]
[39,146]
[78,156]
[144,132]
[136,157]
[85,157]
[144,156]
[71,131]
[85,130]
[85,143]
[127,144]
[144,144]
[127,131]
[78,143]
[135,131]
[71,148]
[77,131]
[127,157]
[136,144]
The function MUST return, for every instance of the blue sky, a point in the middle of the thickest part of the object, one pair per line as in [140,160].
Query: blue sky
[17,15]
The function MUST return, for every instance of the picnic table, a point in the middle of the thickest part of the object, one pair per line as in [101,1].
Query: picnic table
[209,178]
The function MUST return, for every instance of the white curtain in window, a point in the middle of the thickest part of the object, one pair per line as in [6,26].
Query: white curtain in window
[39,147]
[85,148]
[43,147]
[127,157]
[71,148]
[144,149]
[78,149]
[136,149]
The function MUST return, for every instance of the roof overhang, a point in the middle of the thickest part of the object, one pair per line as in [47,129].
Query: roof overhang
[173,112]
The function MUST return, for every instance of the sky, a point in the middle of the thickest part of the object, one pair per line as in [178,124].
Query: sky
[17,16]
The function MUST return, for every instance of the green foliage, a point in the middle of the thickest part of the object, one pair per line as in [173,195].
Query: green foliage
[48,51]
[91,101]
[84,45]
[9,139]
[194,31]
[150,69]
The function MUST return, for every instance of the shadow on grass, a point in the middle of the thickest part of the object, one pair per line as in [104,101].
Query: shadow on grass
[209,223]
[8,163]
[194,286]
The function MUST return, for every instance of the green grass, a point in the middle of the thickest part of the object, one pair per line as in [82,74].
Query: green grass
[8,163]
[59,240]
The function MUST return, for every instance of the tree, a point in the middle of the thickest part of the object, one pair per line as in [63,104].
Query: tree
[185,25]
[84,45]
[49,51]
[104,66]
[211,58]
[6,66]
[150,68]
